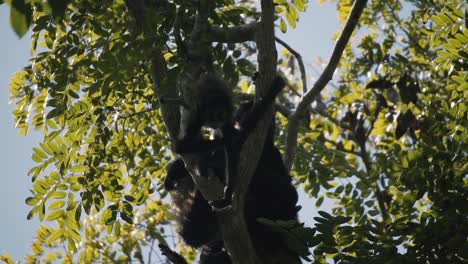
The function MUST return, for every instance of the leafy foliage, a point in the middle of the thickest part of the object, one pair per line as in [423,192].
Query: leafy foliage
[398,119]
[289,10]
[387,143]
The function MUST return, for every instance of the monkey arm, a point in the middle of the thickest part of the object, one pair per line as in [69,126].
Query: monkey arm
[251,118]
[171,255]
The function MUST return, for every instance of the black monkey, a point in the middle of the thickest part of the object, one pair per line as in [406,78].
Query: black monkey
[215,109]
[194,216]
[270,195]
[197,223]
[214,253]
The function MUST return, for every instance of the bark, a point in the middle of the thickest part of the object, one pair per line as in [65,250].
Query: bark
[232,222]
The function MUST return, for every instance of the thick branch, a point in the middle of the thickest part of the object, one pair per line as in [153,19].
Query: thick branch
[199,47]
[299,61]
[243,253]
[170,112]
[181,50]
[310,96]
[235,34]
[231,221]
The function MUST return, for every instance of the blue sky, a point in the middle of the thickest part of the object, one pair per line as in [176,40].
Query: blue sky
[311,38]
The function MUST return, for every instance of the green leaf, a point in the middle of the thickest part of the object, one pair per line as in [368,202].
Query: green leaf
[71,245]
[79,168]
[31,201]
[374,212]
[339,220]
[319,201]
[321,220]
[56,205]
[127,218]
[129,198]
[58,234]
[404,162]
[20,16]
[438,21]
[39,153]
[291,20]
[58,7]
[58,195]
[292,10]
[300,4]
[325,215]
[283,27]
[55,215]
[117,227]
[280,2]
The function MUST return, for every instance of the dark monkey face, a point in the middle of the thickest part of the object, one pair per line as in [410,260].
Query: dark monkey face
[216,112]
[215,105]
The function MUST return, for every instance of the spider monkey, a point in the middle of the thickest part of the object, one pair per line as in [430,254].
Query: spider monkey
[270,195]
[215,110]
[194,216]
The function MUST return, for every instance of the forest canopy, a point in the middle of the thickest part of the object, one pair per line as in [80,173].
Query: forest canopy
[381,134]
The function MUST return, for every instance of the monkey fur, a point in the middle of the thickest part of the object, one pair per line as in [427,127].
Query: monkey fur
[215,110]
[270,195]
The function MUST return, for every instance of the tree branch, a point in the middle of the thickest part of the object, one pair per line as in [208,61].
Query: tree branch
[181,50]
[170,112]
[299,60]
[378,194]
[234,34]
[335,121]
[310,96]
[367,164]
[232,222]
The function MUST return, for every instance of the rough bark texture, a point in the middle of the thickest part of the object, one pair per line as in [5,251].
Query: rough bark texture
[232,222]
[170,112]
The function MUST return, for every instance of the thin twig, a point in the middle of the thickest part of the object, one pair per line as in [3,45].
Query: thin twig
[151,251]
[378,194]
[299,60]
[337,147]
[294,91]
[332,119]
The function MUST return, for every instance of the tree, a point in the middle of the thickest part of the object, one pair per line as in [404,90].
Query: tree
[386,141]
